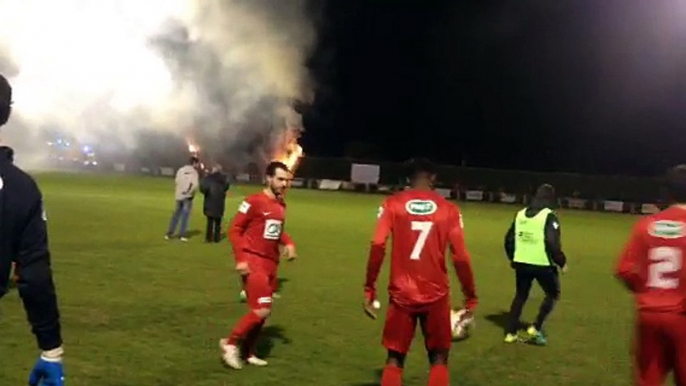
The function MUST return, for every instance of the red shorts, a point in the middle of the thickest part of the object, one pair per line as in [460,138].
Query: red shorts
[401,323]
[259,284]
[660,347]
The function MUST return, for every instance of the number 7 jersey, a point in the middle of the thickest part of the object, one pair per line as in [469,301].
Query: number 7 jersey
[651,264]
[422,224]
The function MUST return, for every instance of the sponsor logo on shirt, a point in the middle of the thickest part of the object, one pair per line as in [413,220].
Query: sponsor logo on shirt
[666,229]
[272,229]
[421,207]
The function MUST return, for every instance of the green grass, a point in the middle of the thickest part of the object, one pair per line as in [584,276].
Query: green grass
[139,310]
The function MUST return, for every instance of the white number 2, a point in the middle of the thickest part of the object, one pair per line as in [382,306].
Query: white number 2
[663,261]
[423,227]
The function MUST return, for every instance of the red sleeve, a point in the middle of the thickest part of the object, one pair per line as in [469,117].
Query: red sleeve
[627,267]
[377,251]
[238,226]
[462,260]
[286,239]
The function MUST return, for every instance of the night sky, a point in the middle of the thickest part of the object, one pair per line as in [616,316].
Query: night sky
[582,86]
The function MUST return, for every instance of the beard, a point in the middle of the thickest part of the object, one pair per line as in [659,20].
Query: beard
[278,192]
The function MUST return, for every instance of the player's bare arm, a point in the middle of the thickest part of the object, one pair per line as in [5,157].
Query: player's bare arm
[462,263]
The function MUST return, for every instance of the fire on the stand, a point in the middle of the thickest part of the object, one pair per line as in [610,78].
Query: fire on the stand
[288,150]
[195,152]
[192,148]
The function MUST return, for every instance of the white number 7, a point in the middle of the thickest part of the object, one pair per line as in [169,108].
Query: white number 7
[423,227]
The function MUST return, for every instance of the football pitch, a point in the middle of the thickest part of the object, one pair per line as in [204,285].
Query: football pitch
[142,311]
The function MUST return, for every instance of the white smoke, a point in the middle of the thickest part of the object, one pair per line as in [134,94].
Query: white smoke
[223,73]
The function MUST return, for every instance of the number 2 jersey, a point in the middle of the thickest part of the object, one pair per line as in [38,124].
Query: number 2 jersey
[258,228]
[422,224]
[651,264]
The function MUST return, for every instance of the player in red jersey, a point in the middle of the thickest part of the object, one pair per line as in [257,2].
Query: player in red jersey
[256,233]
[651,267]
[422,223]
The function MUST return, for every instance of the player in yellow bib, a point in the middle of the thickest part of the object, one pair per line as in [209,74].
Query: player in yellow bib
[533,246]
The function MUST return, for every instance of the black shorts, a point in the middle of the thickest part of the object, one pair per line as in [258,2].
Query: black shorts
[547,277]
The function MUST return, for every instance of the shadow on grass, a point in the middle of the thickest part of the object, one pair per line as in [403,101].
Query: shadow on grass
[377,376]
[193,233]
[189,234]
[266,343]
[502,320]
[281,282]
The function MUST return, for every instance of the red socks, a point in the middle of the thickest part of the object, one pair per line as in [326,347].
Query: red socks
[244,326]
[250,341]
[438,375]
[392,376]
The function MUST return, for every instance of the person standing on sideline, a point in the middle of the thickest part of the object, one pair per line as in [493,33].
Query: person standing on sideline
[533,246]
[186,185]
[24,242]
[214,187]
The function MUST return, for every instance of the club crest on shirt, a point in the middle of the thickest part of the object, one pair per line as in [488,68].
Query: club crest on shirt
[421,207]
[666,229]
[272,229]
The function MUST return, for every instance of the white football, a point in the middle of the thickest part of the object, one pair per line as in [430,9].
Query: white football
[462,324]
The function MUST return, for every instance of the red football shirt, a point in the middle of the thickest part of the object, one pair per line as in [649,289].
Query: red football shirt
[651,264]
[423,224]
[258,227]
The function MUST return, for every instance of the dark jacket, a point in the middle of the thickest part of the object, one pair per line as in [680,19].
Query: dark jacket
[24,240]
[553,244]
[214,187]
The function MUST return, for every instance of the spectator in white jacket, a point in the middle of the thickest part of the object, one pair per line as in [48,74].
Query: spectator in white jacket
[186,186]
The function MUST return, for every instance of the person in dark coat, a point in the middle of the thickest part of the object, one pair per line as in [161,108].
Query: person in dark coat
[214,187]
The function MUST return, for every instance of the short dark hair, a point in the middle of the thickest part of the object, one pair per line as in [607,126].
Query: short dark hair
[7,153]
[674,182]
[273,166]
[545,192]
[421,166]
[5,100]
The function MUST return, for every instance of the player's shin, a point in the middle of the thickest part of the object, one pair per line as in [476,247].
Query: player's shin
[546,308]
[393,372]
[392,376]
[439,375]
[515,313]
[249,344]
[243,327]
[438,357]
